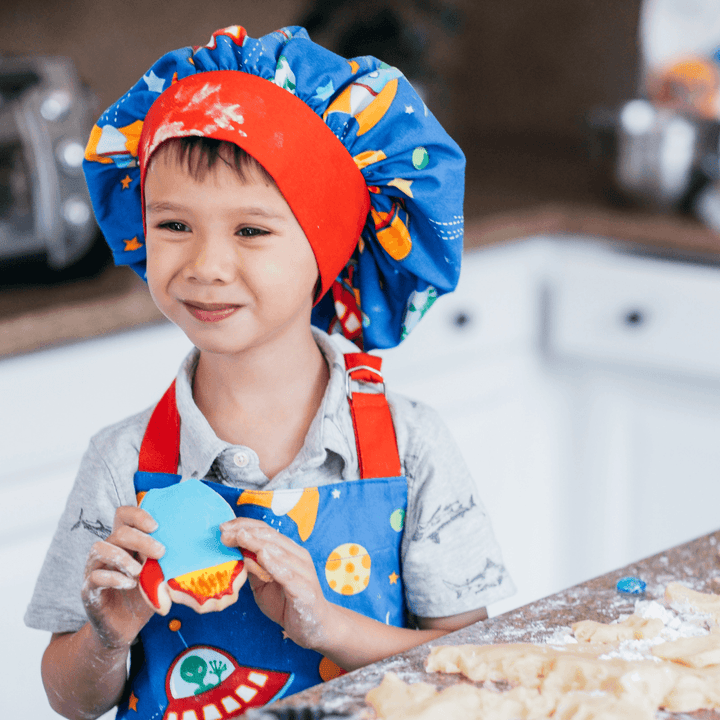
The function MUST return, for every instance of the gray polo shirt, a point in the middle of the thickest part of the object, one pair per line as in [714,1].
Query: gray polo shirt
[451,562]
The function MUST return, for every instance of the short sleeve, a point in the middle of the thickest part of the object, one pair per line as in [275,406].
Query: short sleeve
[451,560]
[56,605]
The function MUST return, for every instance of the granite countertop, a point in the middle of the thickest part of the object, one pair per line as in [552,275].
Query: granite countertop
[696,564]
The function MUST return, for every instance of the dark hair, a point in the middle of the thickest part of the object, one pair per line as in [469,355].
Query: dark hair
[199,154]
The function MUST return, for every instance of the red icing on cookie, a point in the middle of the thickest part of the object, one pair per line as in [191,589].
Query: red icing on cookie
[150,578]
[208,583]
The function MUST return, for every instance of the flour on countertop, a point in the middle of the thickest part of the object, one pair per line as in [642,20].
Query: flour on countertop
[679,621]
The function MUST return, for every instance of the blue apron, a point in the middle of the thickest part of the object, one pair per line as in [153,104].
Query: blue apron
[190,666]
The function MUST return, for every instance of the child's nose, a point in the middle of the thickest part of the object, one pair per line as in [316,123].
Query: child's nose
[214,261]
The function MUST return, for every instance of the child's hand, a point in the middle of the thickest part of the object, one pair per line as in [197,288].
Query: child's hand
[283,580]
[110,593]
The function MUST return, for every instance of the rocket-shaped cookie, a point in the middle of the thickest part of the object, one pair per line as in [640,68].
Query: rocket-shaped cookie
[196,570]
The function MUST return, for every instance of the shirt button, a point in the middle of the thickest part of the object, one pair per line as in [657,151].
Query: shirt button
[241,459]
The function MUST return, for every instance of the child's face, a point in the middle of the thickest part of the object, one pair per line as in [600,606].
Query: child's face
[227,261]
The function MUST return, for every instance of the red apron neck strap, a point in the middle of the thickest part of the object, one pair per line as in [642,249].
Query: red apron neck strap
[160,449]
[377,450]
[374,430]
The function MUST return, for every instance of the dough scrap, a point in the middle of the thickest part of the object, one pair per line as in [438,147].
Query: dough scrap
[518,663]
[633,628]
[696,652]
[707,603]
[581,706]
[420,701]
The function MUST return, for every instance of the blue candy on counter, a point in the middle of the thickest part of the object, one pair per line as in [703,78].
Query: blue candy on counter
[631,586]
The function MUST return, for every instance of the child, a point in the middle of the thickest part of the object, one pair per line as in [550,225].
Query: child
[261,186]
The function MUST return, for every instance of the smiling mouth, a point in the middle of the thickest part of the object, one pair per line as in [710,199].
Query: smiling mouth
[210,312]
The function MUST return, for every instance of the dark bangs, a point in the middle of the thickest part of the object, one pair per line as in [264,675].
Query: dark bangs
[199,155]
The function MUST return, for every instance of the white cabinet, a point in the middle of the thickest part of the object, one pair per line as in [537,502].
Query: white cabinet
[485,376]
[585,395]
[639,312]
[643,464]
[636,342]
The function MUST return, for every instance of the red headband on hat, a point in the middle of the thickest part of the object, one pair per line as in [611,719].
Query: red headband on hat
[311,167]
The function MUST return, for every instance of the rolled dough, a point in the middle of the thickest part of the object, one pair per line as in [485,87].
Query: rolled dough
[576,681]
[634,628]
[708,603]
[696,652]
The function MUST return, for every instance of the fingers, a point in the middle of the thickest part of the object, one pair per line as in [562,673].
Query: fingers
[135,517]
[256,535]
[104,555]
[277,555]
[133,540]
[113,563]
[110,579]
[256,570]
[131,530]
[108,567]
[111,595]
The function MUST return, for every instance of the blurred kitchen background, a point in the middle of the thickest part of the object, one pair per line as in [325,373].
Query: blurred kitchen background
[578,364]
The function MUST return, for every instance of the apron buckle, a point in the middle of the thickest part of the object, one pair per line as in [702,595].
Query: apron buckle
[372,370]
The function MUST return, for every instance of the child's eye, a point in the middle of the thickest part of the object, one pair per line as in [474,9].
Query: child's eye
[251,232]
[174,226]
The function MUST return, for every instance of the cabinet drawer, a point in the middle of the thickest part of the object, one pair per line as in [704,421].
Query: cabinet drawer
[493,310]
[636,311]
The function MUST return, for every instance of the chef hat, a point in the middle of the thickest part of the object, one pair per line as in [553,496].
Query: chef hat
[371,176]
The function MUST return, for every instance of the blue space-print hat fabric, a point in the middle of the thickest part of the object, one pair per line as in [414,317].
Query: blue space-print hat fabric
[411,245]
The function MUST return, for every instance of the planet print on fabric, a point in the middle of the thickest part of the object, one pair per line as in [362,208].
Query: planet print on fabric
[367,99]
[420,158]
[347,569]
[397,520]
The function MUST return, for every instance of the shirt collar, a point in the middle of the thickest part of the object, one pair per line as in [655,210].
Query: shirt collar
[331,429]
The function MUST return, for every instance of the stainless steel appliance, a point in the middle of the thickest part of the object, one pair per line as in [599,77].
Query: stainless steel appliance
[45,119]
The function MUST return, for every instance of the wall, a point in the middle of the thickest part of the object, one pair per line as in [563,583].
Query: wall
[113,44]
[511,66]
[540,66]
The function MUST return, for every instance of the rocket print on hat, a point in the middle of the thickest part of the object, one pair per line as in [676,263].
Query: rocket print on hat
[392,231]
[348,314]
[236,33]
[367,100]
[119,145]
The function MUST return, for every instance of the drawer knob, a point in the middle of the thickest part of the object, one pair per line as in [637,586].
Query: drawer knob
[461,319]
[634,318]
